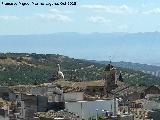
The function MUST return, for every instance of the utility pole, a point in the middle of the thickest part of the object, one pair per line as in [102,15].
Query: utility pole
[114,100]
[81,111]
[96,114]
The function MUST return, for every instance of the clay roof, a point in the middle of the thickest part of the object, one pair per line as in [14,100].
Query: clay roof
[71,86]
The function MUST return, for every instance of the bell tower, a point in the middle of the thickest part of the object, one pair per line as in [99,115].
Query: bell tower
[110,78]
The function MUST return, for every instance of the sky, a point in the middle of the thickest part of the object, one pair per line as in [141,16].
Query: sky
[87,16]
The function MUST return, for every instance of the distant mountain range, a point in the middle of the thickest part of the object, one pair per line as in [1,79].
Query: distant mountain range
[132,47]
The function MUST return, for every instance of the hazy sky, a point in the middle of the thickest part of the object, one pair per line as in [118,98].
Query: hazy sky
[86,17]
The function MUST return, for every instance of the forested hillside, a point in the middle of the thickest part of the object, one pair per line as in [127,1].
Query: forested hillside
[24,68]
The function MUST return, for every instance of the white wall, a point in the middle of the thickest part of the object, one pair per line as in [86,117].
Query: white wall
[87,109]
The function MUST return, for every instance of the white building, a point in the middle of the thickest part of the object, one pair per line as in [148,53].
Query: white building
[90,109]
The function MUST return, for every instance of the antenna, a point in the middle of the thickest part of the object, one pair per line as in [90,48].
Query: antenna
[110,59]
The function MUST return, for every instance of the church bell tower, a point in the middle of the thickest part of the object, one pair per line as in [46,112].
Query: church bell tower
[110,78]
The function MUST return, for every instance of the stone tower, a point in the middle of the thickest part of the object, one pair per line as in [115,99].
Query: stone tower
[110,78]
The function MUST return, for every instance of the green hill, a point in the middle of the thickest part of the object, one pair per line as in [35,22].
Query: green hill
[150,69]
[24,68]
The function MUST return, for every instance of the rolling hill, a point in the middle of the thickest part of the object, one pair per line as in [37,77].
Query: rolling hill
[32,68]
